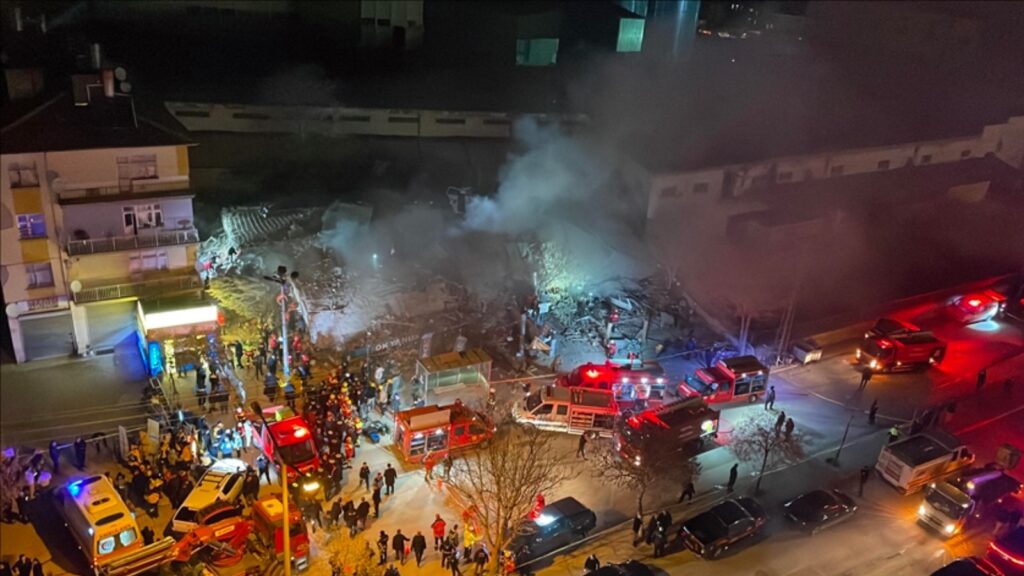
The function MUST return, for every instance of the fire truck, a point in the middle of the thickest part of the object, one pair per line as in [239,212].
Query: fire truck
[633,387]
[900,351]
[683,426]
[440,430]
[737,378]
[298,449]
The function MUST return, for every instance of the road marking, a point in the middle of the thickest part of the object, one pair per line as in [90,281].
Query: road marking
[988,421]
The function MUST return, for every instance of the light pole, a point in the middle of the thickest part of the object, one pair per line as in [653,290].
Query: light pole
[282,277]
[835,459]
[286,525]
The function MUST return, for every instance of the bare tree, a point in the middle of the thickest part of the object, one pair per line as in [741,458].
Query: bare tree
[659,462]
[757,437]
[353,555]
[502,481]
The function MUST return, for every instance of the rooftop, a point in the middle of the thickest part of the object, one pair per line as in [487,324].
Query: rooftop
[57,124]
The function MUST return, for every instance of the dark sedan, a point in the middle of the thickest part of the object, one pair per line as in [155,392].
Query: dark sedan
[628,568]
[559,524]
[711,533]
[820,509]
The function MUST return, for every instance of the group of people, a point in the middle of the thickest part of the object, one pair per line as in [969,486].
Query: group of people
[23,566]
[655,532]
[454,552]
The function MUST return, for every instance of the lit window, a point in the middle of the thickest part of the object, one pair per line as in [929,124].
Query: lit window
[31,226]
[39,275]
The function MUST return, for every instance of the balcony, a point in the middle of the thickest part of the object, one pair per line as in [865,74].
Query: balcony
[84,193]
[145,240]
[145,289]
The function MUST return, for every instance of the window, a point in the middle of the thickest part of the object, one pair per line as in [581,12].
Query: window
[544,410]
[670,192]
[631,35]
[562,410]
[130,168]
[31,226]
[700,187]
[39,275]
[785,176]
[536,51]
[965,154]
[926,159]
[836,171]
[23,174]
[883,165]
[146,216]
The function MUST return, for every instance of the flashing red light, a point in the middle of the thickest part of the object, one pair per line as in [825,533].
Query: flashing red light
[995,548]
[885,343]
[300,432]
[974,302]
[633,422]
[592,373]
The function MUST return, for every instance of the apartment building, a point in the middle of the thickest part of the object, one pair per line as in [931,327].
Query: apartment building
[96,215]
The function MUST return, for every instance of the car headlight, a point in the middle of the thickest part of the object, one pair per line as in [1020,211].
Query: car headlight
[859,353]
[920,509]
[950,528]
[311,486]
[874,364]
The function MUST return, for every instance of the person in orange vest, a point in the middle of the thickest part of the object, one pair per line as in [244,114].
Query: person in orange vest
[350,451]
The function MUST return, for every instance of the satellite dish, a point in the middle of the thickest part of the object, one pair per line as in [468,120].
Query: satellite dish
[126,87]
[76,286]
[120,73]
[12,310]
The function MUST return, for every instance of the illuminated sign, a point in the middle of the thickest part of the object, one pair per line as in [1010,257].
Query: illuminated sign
[185,317]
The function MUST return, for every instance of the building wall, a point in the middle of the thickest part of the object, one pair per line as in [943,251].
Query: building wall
[114,267]
[670,191]
[98,168]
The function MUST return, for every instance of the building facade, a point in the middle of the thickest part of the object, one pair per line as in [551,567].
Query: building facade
[89,227]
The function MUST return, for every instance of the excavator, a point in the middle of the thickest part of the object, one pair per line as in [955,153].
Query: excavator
[234,546]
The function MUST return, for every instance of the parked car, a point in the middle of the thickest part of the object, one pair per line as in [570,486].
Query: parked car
[711,533]
[628,568]
[222,482]
[819,509]
[559,524]
[971,566]
[977,307]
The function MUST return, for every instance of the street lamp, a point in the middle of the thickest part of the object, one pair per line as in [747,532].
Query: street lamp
[286,526]
[283,278]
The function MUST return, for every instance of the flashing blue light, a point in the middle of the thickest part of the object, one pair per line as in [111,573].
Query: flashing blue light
[75,488]
[985,326]
[156,359]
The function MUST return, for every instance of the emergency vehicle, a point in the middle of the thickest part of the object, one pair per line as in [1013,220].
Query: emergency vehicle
[949,505]
[736,378]
[439,430]
[977,307]
[99,520]
[640,385]
[298,449]
[912,463]
[572,410]
[682,425]
[904,351]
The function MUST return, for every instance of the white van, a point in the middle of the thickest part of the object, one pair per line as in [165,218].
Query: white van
[222,482]
[99,520]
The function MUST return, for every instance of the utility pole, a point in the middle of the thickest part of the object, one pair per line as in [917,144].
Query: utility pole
[283,279]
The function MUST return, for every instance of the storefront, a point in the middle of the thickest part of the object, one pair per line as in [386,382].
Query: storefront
[179,332]
[454,370]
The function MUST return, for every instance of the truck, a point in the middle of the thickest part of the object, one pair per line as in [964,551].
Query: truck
[637,387]
[912,463]
[573,410]
[949,505]
[297,446]
[892,345]
[682,426]
[736,378]
[436,430]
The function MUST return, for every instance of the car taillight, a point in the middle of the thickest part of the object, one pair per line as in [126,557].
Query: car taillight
[995,548]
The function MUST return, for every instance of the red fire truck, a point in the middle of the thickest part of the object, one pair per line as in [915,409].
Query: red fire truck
[681,427]
[736,378]
[298,449]
[438,430]
[644,385]
[905,351]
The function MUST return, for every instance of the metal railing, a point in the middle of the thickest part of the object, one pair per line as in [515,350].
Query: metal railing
[135,242]
[139,289]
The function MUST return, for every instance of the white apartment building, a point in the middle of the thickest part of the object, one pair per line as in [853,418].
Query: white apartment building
[670,192]
[94,217]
